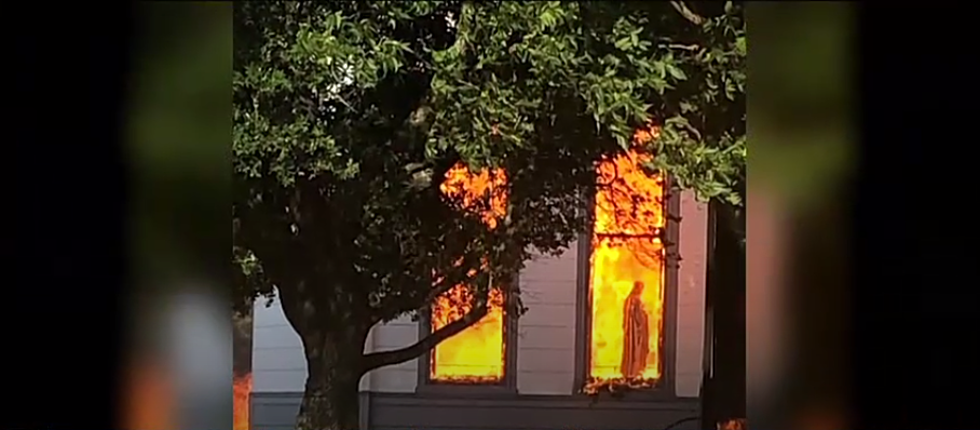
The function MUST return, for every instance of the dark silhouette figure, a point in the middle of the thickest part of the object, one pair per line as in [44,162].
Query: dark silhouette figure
[636,334]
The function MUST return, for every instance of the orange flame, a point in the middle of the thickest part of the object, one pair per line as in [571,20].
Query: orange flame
[475,355]
[484,192]
[242,386]
[627,249]
[732,424]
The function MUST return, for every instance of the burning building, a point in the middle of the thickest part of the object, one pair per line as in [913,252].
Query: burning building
[613,338]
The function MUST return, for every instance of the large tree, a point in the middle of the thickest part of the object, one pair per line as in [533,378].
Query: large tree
[348,116]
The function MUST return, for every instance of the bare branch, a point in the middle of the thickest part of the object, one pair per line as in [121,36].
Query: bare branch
[395,356]
[687,13]
[693,47]
[444,285]
[463,272]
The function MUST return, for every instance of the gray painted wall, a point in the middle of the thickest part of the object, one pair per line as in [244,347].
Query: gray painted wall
[389,411]
[545,360]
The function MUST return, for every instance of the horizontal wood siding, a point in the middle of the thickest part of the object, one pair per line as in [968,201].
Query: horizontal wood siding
[546,333]
[390,411]
[279,366]
[691,278]
[400,378]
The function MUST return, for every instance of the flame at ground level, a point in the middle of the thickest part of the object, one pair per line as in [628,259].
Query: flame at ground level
[627,276]
[732,424]
[242,386]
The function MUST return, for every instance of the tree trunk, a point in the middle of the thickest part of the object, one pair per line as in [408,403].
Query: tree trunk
[330,400]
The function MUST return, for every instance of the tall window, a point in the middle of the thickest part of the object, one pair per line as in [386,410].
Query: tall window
[475,355]
[478,354]
[626,278]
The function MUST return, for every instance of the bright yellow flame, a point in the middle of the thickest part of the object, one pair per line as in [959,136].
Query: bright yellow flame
[475,355]
[626,249]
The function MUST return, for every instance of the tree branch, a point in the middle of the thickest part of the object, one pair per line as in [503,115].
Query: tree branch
[442,287]
[462,272]
[386,358]
[687,13]
[693,47]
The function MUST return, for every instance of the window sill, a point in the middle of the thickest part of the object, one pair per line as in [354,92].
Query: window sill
[463,390]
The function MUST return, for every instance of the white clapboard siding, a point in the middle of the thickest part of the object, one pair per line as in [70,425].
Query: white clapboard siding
[691,277]
[277,352]
[278,364]
[400,378]
[546,333]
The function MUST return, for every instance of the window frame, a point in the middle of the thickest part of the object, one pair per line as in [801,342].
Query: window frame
[665,387]
[507,384]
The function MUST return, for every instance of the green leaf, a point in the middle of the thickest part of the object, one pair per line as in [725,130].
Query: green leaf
[624,43]
[676,72]
[660,68]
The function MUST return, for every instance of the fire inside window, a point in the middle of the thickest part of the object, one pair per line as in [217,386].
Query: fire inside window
[475,355]
[627,275]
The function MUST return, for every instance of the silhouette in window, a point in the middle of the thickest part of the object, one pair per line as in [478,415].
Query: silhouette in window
[636,334]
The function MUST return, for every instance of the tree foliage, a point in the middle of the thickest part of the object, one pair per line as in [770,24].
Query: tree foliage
[347,116]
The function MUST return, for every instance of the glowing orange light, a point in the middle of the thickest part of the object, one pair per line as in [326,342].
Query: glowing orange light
[476,354]
[732,424]
[242,386]
[627,273]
